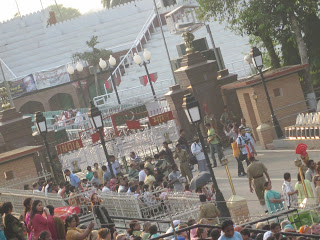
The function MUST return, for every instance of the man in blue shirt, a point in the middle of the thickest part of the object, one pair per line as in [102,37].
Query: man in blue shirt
[228,231]
[74,180]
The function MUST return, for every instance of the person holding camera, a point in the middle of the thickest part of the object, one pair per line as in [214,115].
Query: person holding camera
[246,146]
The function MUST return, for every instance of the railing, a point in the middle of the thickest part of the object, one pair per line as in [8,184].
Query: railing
[241,68]
[143,35]
[136,95]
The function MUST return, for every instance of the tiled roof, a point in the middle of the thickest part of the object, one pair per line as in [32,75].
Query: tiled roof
[269,75]
[19,152]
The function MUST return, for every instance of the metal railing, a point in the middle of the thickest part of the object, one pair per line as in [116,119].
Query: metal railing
[141,39]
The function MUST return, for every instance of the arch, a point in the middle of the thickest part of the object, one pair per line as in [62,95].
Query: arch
[31,107]
[61,101]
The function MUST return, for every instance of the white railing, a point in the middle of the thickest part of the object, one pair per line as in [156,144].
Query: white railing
[138,95]
[143,35]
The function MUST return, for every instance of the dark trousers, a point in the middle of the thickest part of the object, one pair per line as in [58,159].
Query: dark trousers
[244,157]
[240,166]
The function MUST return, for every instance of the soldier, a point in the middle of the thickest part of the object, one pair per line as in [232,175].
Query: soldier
[208,210]
[256,171]
[182,155]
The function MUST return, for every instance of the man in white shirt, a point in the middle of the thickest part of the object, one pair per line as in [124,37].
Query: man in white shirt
[247,127]
[115,165]
[244,140]
[290,195]
[197,151]
[142,174]
[105,189]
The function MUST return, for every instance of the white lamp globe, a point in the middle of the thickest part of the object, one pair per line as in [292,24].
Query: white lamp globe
[146,55]
[102,63]
[247,59]
[112,61]
[137,59]
[70,69]
[79,67]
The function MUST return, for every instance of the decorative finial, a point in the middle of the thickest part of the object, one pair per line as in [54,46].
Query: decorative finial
[188,38]
[4,99]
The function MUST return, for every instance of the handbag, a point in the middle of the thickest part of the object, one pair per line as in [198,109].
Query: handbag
[192,159]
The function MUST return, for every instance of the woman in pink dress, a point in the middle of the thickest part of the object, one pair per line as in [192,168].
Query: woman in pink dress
[27,203]
[41,220]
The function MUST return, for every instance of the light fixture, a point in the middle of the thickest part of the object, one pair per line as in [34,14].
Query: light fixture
[102,63]
[146,55]
[70,69]
[256,57]
[41,123]
[96,116]
[247,59]
[112,61]
[137,59]
[192,109]
[79,67]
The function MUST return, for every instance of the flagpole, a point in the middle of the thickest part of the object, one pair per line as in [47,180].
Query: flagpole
[18,8]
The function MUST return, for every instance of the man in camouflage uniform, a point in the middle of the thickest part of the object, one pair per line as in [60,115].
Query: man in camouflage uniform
[182,156]
[256,171]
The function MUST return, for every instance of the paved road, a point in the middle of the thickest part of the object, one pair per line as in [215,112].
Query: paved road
[277,161]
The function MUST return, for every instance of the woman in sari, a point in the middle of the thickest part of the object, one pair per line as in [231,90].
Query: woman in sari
[74,233]
[273,199]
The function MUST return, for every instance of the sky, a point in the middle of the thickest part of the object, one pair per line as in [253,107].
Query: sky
[8,8]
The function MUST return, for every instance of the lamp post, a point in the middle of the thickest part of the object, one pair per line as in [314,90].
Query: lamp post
[97,121]
[147,56]
[112,63]
[43,130]
[192,110]
[79,68]
[257,60]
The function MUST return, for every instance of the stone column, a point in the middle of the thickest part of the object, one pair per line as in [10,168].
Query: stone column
[175,99]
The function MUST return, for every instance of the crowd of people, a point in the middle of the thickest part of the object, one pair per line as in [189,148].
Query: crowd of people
[72,116]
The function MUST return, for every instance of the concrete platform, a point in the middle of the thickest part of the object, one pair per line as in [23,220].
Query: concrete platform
[293,143]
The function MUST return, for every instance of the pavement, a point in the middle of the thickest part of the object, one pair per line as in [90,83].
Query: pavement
[277,161]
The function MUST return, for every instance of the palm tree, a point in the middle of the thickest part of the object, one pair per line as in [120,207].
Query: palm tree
[92,57]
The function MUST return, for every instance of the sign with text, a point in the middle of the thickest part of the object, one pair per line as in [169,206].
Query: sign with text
[69,146]
[160,118]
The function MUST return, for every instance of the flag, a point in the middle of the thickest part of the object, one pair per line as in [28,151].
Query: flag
[108,84]
[143,80]
[154,77]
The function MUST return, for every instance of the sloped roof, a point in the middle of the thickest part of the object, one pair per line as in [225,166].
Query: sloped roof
[268,75]
[19,152]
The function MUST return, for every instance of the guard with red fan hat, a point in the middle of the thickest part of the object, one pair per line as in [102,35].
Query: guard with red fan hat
[302,150]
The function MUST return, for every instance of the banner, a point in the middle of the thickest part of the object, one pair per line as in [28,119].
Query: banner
[53,77]
[161,118]
[69,146]
[134,124]
[22,86]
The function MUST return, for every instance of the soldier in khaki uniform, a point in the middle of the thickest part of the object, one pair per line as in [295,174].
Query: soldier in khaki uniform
[256,171]
[182,156]
[208,211]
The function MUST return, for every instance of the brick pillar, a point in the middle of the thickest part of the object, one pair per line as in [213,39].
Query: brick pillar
[238,208]
[266,134]
[175,99]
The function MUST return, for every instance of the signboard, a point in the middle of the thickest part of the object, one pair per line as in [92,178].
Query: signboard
[22,86]
[160,118]
[131,114]
[69,146]
[53,77]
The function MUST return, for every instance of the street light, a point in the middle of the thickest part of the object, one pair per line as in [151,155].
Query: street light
[257,61]
[147,56]
[192,110]
[112,63]
[79,68]
[41,125]
[97,121]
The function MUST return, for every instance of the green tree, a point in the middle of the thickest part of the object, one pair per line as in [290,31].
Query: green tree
[92,57]
[64,13]
[273,21]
